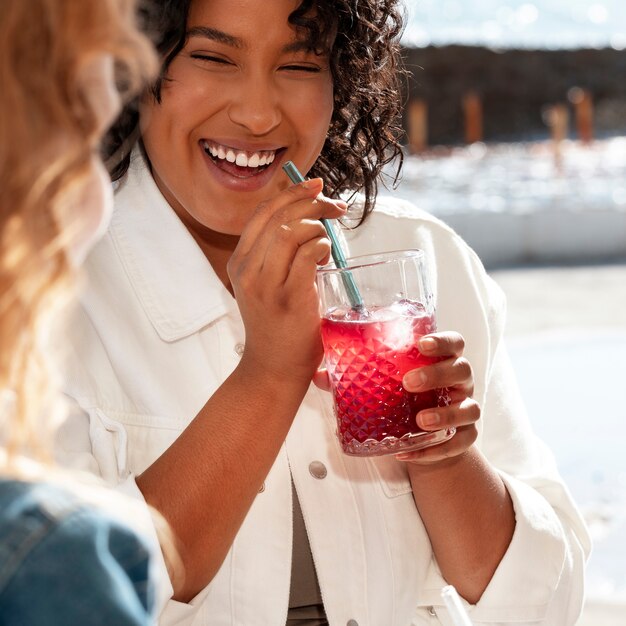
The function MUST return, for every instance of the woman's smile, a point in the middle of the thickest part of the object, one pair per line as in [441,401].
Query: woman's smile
[239,168]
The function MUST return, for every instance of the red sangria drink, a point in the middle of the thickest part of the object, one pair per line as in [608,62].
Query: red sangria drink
[368,349]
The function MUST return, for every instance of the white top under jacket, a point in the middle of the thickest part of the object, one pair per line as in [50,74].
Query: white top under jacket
[157,333]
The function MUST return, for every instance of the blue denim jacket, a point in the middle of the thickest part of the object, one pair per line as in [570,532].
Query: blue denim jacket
[64,562]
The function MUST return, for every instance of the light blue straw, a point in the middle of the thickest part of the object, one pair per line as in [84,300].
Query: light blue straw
[338,256]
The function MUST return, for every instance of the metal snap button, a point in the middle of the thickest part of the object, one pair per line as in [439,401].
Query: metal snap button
[317,469]
[239,348]
[352,622]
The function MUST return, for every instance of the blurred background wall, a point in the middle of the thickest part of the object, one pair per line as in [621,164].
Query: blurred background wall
[515,87]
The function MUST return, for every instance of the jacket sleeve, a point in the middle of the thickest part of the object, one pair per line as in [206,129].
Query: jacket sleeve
[82,569]
[539,580]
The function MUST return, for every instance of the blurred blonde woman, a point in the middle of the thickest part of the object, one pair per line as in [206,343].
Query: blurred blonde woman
[65,67]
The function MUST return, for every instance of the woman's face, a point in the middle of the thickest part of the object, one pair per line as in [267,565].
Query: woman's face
[244,96]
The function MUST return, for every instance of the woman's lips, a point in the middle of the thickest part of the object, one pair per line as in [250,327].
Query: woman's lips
[242,177]
[251,158]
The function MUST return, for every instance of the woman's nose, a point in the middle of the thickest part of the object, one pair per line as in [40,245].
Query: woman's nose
[256,106]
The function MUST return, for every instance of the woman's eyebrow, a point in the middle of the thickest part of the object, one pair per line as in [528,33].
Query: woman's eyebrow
[220,36]
[300,45]
[215,35]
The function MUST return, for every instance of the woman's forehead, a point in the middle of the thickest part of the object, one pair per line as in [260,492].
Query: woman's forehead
[248,23]
[233,11]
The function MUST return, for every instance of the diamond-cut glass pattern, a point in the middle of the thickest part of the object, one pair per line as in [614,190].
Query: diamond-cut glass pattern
[366,361]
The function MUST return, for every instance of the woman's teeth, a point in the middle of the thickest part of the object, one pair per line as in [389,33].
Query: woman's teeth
[240,158]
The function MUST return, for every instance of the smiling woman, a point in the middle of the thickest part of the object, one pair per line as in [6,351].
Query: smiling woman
[250,100]
[199,337]
[362,61]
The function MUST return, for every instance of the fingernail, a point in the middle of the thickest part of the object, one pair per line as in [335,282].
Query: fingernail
[428,419]
[414,379]
[427,344]
[403,456]
[340,204]
[311,183]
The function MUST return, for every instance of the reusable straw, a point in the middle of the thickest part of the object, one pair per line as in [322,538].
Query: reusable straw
[455,606]
[338,256]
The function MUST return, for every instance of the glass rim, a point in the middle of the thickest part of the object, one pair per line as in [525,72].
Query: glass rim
[372,260]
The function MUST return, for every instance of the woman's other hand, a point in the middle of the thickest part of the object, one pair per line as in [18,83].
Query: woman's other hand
[453,372]
[462,500]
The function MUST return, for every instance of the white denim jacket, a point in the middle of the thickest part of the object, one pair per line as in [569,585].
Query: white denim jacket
[157,334]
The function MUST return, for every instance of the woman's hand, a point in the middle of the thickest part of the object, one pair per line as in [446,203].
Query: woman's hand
[453,372]
[462,500]
[272,272]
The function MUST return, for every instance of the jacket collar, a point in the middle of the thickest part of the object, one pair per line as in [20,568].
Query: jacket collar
[175,284]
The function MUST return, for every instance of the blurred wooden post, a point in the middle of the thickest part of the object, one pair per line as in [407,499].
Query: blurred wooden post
[583,108]
[418,125]
[473,113]
[558,121]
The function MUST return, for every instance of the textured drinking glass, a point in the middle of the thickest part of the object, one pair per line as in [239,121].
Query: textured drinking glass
[369,349]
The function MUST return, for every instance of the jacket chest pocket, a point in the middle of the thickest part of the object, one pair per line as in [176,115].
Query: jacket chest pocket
[147,437]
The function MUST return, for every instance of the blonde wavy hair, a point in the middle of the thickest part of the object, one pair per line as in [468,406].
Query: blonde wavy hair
[49,132]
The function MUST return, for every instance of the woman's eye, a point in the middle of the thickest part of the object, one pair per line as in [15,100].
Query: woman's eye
[313,69]
[210,59]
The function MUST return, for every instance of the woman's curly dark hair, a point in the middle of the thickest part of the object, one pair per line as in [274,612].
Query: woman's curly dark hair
[365,63]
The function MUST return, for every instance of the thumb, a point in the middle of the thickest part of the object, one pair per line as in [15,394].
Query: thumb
[321,379]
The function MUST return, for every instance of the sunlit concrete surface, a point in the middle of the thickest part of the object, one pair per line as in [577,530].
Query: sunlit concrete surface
[567,337]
